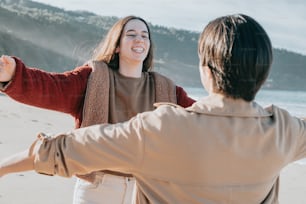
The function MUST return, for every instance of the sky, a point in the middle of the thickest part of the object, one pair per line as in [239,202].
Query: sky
[284,20]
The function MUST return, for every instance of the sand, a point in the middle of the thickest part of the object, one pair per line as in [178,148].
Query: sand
[19,125]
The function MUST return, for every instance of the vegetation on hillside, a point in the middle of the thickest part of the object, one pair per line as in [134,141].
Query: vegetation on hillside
[57,40]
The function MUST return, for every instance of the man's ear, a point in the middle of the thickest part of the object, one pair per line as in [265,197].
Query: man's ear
[207,72]
[207,79]
[117,49]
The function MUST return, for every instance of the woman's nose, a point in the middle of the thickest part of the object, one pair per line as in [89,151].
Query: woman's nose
[138,38]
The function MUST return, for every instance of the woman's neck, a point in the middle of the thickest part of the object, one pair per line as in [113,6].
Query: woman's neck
[130,70]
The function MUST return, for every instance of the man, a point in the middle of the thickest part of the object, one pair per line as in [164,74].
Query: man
[223,149]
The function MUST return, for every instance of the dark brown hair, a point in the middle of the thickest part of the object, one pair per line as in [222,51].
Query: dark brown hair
[238,52]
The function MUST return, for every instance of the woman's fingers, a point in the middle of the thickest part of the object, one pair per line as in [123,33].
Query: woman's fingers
[7,68]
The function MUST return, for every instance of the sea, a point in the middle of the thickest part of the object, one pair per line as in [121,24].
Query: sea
[292,101]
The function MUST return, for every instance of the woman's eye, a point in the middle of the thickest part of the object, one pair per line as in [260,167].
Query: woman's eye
[135,35]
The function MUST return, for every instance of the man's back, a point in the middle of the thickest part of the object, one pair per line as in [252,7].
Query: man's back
[234,154]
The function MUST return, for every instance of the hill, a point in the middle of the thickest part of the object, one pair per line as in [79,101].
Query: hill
[57,40]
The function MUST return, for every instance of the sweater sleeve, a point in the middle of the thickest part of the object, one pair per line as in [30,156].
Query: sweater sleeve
[182,98]
[62,92]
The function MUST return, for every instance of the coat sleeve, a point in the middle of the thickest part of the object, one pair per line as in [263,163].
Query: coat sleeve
[118,147]
[300,125]
[62,92]
[182,98]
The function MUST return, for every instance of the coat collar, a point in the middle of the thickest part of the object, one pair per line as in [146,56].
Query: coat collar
[217,104]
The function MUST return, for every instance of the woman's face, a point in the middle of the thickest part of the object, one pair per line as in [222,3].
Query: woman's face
[134,43]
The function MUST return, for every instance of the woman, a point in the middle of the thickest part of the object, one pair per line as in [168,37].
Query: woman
[115,86]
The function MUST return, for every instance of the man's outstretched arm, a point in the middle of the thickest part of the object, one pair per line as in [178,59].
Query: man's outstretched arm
[19,162]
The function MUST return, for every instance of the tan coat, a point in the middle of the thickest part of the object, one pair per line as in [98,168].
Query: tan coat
[217,151]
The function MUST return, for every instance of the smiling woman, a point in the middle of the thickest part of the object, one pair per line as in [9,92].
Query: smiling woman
[115,85]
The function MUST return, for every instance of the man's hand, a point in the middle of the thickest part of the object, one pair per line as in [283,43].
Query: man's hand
[19,162]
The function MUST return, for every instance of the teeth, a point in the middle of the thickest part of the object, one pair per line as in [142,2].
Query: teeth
[138,49]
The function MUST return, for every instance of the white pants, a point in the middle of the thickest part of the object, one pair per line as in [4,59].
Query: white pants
[106,189]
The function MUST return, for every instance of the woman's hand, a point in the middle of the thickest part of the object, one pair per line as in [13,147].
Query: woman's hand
[7,68]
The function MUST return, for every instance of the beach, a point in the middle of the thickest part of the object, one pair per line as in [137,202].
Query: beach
[19,125]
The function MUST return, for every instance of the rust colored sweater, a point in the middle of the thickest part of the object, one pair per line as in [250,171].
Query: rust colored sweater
[63,92]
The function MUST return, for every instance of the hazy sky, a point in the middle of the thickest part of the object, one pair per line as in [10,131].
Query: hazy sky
[284,20]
